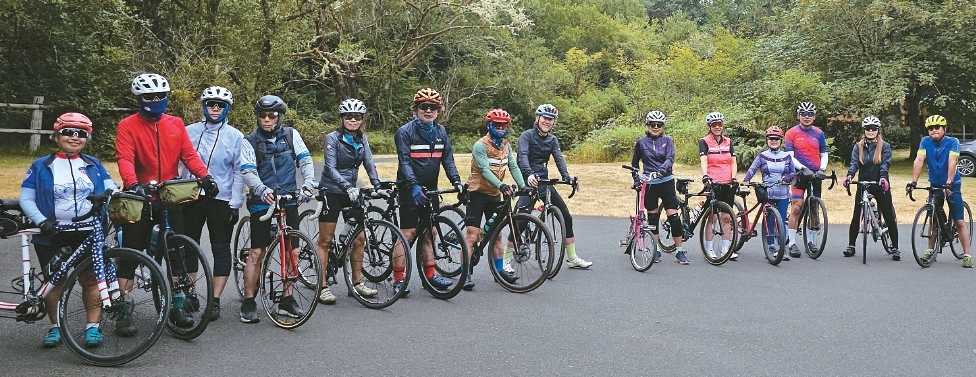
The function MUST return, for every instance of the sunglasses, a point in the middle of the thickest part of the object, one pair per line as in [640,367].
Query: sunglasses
[217,104]
[774,139]
[153,97]
[272,115]
[655,125]
[429,107]
[872,129]
[807,113]
[932,128]
[353,116]
[73,132]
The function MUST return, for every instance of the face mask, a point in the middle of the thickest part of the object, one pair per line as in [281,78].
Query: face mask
[220,118]
[152,109]
[496,137]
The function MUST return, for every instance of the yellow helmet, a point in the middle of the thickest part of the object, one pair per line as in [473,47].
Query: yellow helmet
[935,120]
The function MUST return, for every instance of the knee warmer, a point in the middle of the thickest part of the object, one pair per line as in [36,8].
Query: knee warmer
[652,220]
[675,223]
[221,254]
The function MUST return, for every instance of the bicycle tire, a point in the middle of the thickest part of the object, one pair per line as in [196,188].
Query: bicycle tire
[776,231]
[186,252]
[376,213]
[533,253]
[954,244]
[886,242]
[739,224]
[866,224]
[557,226]
[149,290]
[642,248]
[665,238]
[242,246]
[377,265]
[274,286]
[816,208]
[456,215]
[453,256]
[308,224]
[718,255]
[921,232]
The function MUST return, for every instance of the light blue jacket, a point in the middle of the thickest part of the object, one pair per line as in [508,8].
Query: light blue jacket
[219,146]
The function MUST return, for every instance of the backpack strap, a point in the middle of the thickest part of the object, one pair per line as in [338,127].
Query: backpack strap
[261,149]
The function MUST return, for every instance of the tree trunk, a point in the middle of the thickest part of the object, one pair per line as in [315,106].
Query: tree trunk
[913,119]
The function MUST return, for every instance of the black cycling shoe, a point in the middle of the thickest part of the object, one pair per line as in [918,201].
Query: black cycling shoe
[849,252]
[215,313]
[508,276]
[179,318]
[895,255]
[289,307]
[249,311]
[468,283]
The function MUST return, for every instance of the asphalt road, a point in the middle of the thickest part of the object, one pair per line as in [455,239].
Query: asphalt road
[827,317]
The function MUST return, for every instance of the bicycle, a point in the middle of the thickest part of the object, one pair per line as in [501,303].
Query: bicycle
[450,211]
[553,218]
[773,225]
[290,258]
[532,257]
[813,215]
[641,249]
[934,218]
[871,222]
[377,262]
[145,303]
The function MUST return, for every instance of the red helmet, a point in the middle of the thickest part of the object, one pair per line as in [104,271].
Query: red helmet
[73,120]
[774,131]
[498,116]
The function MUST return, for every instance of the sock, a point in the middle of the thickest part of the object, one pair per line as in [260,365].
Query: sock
[726,244]
[54,326]
[509,251]
[178,300]
[91,325]
[571,251]
[792,234]
[680,249]
[499,264]
[429,271]
[708,245]
[810,236]
[398,273]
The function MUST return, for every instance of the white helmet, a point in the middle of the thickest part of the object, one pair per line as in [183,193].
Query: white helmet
[806,106]
[352,105]
[713,117]
[655,116]
[217,93]
[149,83]
[547,110]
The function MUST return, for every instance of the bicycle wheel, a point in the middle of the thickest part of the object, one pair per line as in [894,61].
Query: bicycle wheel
[193,278]
[925,230]
[715,252]
[308,224]
[279,273]
[377,264]
[954,245]
[889,245]
[665,239]
[145,305]
[866,224]
[642,249]
[532,253]
[449,255]
[740,224]
[815,222]
[455,215]
[376,213]
[242,246]
[556,224]
[773,236]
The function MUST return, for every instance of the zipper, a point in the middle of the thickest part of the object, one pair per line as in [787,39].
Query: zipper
[159,156]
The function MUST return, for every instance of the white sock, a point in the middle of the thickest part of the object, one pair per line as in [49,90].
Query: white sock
[726,244]
[91,325]
[810,236]
[708,245]
[792,235]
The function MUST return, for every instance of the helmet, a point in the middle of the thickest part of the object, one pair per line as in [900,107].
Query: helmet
[427,95]
[269,103]
[871,121]
[73,120]
[149,83]
[713,117]
[218,93]
[805,106]
[655,116]
[547,110]
[935,120]
[352,105]
[498,116]
[774,131]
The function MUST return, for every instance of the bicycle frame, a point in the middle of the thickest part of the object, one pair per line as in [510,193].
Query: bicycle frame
[289,265]
[503,212]
[749,230]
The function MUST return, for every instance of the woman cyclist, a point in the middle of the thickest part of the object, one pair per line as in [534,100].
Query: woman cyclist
[656,152]
[56,189]
[346,149]
[872,157]
[777,170]
[718,165]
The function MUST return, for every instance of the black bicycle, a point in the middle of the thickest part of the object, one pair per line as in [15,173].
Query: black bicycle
[813,214]
[553,218]
[871,223]
[932,230]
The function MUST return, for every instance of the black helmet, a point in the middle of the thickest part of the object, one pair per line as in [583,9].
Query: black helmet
[270,103]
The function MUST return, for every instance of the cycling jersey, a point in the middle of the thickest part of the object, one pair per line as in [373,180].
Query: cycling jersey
[657,155]
[808,147]
[488,165]
[719,156]
[534,151]
[149,150]
[343,156]
[420,157]
[775,166]
[937,156]
[869,171]
[277,169]
[219,146]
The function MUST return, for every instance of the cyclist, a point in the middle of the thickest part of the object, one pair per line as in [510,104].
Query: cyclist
[346,149]
[719,166]
[777,169]
[491,156]
[808,147]
[656,151]
[56,189]
[534,149]
[421,146]
[941,152]
[150,146]
[219,146]
[872,156]
[269,156]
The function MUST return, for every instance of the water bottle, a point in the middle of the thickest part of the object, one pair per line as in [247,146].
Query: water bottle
[55,263]
[154,239]
[274,231]
[697,211]
[488,225]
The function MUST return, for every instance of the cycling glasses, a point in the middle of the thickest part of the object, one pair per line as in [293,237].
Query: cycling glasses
[429,107]
[807,113]
[774,138]
[655,125]
[72,132]
[271,115]
[932,128]
[872,128]
[153,97]
[353,116]
[217,104]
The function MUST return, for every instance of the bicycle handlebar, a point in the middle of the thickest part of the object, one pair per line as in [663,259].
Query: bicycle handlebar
[287,197]
[931,187]
[862,183]
[97,202]
[574,183]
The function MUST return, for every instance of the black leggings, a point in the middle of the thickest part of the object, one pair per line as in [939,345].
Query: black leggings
[883,200]
[528,202]
[217,216]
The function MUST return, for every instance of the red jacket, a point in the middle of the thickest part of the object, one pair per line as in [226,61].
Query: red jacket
[151,151]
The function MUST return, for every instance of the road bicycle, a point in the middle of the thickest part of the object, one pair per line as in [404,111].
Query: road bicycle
[773,229]
[144,304]
[531,242]
[640,242]
[553,218]
[813,214]
[390,211]
[721,224]
[932,230]
[378,240]
[871,223]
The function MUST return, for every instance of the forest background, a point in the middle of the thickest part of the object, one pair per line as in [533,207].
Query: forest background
[603,63]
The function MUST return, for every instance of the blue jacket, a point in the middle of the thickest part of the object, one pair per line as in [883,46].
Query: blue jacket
[342,160]
[277,169]
[657,154]
[420,158]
